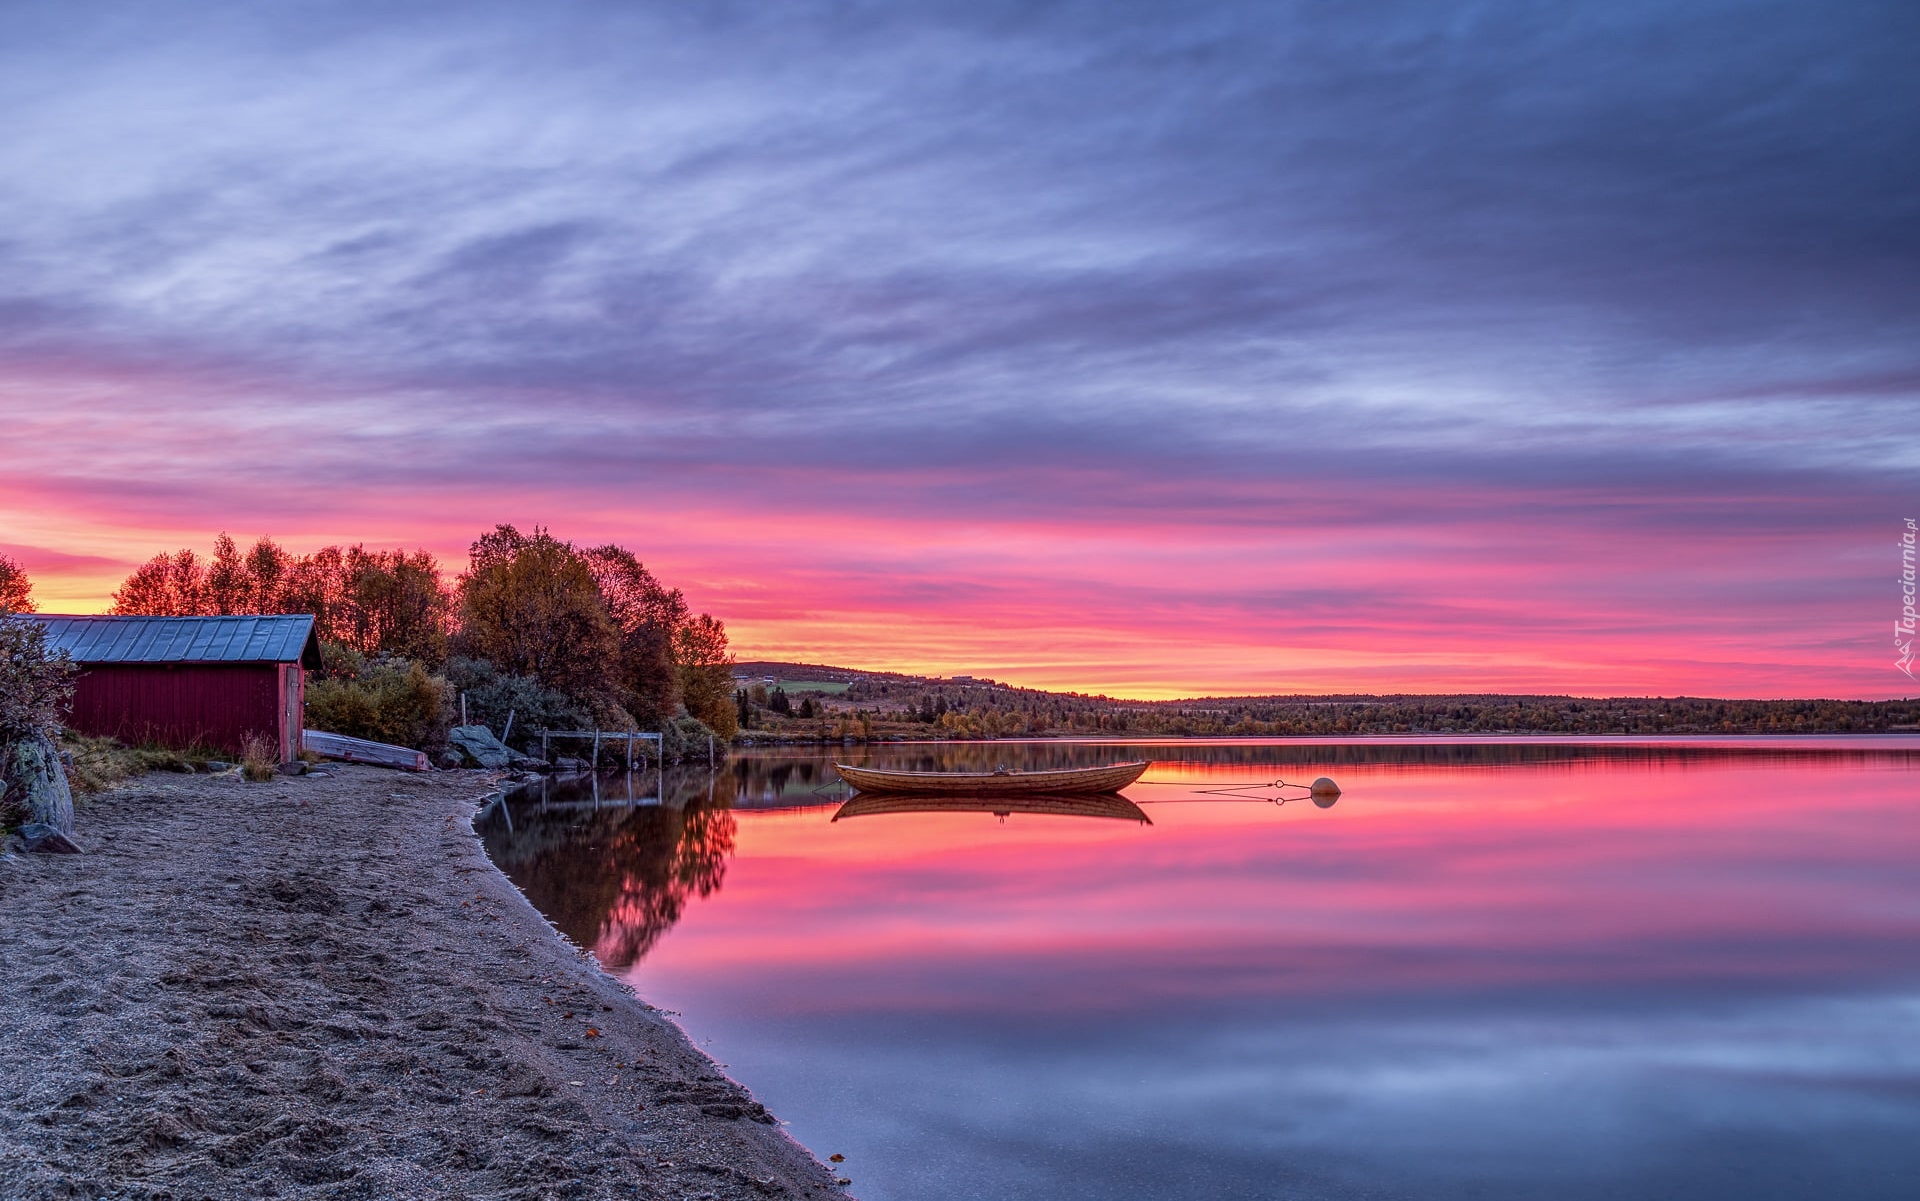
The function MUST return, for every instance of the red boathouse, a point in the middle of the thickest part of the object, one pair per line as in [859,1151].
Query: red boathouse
[189,681]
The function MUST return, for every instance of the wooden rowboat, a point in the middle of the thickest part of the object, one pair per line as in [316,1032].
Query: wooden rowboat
[876,804]
[1111,778]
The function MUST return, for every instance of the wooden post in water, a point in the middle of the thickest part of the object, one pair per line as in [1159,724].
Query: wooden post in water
[509,726]
[709,752]
[543,746]
[596,748]
[463,708]
[629,752]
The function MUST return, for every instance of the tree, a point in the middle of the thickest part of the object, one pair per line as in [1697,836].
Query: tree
[316,584]
[377,602]
[706,673]
[165,585]
[227,587]
[646,616]
[267,569]
[529,603]
[393,604]
[16,591]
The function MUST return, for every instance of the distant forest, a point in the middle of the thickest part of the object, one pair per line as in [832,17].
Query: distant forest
[880,704]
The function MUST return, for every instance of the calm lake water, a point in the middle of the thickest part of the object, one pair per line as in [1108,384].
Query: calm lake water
[1513,969]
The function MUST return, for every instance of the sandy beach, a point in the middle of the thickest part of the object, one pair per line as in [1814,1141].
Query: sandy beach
[320,987]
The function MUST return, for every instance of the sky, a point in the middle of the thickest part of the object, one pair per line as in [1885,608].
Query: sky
[1149,349]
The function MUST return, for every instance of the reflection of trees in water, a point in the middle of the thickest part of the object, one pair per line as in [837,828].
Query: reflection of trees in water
[615,879]
[656,878]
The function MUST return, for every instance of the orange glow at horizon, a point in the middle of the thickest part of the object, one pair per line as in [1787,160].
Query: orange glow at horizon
[1124,585]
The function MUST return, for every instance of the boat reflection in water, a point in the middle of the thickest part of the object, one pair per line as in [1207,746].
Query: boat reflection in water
[873,804]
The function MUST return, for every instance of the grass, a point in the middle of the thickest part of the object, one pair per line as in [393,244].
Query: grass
[103,763]
[830,687]
[258,760]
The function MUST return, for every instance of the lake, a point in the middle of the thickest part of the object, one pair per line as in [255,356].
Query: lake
[1509,968]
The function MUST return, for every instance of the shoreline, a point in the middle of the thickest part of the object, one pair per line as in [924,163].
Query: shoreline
[322,987]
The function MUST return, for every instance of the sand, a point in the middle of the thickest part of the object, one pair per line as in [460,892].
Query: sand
[322,988]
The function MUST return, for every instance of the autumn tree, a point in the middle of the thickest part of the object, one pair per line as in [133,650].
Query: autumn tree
[16,591]
[376,602]
[646,615]
[316,584]
[706,673]
[226,587]
[393,603]
[170,585]
[529,603]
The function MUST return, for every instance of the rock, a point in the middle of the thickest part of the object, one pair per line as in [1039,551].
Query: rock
[450,760]
[33,784]
[47,840]
[478,746]
[568,763]
[293,767]
[216,766]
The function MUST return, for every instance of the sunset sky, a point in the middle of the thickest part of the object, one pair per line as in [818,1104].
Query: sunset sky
[1154,349]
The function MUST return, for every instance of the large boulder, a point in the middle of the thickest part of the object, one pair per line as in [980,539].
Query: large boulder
[33,785]
[478,746]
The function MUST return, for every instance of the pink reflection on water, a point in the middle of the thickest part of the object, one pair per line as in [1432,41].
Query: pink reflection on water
[1749,872]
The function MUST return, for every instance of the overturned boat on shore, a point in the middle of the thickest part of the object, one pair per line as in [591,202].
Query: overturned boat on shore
[1003,783]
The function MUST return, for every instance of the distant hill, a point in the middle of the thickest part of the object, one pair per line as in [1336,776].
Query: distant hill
[969,706]
[758,668]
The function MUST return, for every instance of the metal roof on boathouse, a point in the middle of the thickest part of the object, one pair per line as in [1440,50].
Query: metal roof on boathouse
[286,638]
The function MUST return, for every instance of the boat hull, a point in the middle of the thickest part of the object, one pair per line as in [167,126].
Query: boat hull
[1111,778]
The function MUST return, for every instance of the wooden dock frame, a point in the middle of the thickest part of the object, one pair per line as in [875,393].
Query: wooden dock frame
[627,736]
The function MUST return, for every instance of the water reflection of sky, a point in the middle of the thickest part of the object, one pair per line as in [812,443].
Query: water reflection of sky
[1687,972]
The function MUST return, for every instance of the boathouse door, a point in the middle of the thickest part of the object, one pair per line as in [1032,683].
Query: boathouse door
[292,709]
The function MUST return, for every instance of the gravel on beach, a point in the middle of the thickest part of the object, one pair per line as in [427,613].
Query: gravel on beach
[320,987]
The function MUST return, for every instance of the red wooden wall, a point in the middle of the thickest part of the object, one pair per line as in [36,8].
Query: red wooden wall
[212,705]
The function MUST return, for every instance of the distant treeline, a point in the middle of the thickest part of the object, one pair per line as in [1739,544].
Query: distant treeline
[561,636]
[978,710]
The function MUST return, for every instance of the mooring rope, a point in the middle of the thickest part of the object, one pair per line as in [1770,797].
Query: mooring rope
[1233,792]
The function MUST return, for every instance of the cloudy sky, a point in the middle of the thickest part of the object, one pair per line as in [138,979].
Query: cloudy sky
[1138,347]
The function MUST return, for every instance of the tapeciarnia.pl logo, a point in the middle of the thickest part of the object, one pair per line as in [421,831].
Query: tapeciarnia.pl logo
[1903,628]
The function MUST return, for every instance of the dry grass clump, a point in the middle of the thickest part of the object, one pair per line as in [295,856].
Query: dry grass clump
[103,763]
[258,760]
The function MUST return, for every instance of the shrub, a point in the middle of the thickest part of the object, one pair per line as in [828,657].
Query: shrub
[492,694]
[387,700]
[685,737]
[33,684]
